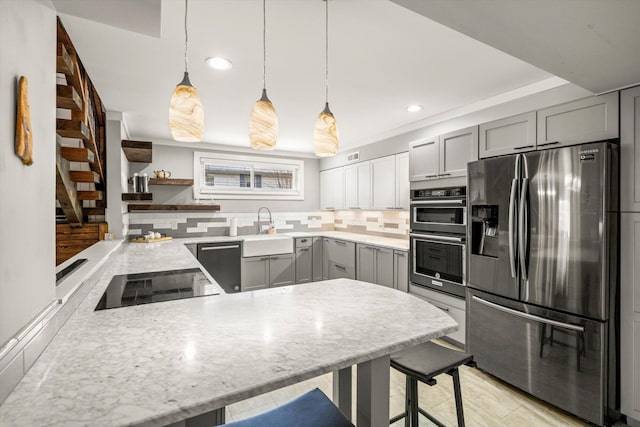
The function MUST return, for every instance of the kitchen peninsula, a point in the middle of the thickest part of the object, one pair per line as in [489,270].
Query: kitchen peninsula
[156,364]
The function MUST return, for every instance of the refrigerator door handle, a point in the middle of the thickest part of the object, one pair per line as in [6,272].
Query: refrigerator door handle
[529,316]
[512,231]
[523,228]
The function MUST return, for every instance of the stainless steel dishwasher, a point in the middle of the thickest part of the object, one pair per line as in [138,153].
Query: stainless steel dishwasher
[222,261]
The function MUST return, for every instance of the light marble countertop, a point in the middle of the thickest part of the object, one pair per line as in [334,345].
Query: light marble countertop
[155,364]
[388,242]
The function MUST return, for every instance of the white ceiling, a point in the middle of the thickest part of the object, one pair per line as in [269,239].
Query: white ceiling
[595,44]
[383,57]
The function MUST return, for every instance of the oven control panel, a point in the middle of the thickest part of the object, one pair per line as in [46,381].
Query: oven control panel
[439,193]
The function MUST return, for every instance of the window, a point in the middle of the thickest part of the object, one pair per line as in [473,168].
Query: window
[231,176]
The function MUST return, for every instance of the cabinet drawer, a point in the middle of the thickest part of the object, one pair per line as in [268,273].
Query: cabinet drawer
[341,251]
[341,271]
[303,242]
[454,307]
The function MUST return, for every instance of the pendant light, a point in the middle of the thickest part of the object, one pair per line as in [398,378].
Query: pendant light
[186,115]
[263,125]
[325,134]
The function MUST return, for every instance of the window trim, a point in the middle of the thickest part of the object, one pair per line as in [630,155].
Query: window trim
[252,194]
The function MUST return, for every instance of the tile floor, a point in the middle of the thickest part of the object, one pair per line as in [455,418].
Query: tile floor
[487,401]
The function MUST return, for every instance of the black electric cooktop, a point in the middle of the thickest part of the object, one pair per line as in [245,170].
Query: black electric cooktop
[144,288]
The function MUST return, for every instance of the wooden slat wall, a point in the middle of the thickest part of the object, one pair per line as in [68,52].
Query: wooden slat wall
[70,240]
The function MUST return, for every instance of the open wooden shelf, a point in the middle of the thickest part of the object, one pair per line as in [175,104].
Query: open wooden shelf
[144,207]
[137,151]
[136,196]
[167,181]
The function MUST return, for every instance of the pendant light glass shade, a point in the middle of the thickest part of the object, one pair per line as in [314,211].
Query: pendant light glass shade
[325,134]
[186,115]
[263,124]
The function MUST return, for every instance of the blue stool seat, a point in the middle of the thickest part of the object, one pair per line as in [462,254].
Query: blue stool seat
[312,409]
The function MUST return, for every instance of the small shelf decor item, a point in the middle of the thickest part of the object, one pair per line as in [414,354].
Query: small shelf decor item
[325,134]
[186,115]
[263,125]
[24,137]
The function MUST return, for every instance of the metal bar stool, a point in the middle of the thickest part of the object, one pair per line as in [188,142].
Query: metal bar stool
[312,409]
[422,363]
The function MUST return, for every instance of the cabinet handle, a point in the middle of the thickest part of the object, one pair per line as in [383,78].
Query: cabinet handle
[431,176]
[264,258]
[339,267]
[303,240]
[445,309]
[357,207]
[274,257]
[523,147]
[329,207]
[402,254]
[303,249]
[423,144]
[339,242]
[444,174]
[549,143]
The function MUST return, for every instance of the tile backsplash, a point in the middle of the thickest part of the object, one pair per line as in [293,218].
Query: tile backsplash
[199,224]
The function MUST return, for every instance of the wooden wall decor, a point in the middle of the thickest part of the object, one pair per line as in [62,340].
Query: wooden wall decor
[24,137]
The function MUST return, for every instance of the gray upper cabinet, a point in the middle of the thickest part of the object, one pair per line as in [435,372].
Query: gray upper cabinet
[445,156]
[630,150]
[383,176]
[357,186]
[585,120]
[402,181]
[401,270]
[505,136]
[281,270]
[456,150]
[332,189]
[423,159]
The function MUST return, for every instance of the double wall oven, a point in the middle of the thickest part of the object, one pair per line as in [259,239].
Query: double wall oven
[438,239]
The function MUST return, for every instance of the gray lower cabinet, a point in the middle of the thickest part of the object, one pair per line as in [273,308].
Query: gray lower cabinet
[281,270]
[339,259]
[304,259]
[401,270]
[318,254]
[454,307]
[577,122]
[255,273]
[375,265]
[267,271]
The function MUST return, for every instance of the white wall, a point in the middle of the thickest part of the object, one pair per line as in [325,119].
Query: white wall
[179,160]
[27,193]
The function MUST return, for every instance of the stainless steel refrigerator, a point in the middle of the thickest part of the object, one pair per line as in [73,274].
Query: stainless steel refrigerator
[542,282]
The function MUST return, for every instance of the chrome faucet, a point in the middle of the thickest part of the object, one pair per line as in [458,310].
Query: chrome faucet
[270,219]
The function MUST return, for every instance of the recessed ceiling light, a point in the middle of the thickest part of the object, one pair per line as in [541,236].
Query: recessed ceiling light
[414,108]
[219,63]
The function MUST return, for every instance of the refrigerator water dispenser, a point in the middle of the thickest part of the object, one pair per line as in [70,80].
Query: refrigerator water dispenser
[484,230]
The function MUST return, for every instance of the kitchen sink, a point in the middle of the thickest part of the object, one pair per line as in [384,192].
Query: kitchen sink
[266,244]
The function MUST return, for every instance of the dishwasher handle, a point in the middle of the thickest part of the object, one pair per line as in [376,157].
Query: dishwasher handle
[215,248]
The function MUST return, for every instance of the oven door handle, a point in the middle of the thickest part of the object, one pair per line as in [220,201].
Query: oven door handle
[439,202]
[438,237]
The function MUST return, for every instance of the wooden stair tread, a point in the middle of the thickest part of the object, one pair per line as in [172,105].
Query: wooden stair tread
[136,196]
[64,63]
[90,195]
[76,154]
[72,129]
[84,176]
[67,97]
[66,192]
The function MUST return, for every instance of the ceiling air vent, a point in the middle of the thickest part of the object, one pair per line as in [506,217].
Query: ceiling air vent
[353,157]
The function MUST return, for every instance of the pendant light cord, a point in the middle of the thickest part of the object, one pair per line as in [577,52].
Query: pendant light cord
[264,44]
[326,50]
[186,35]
